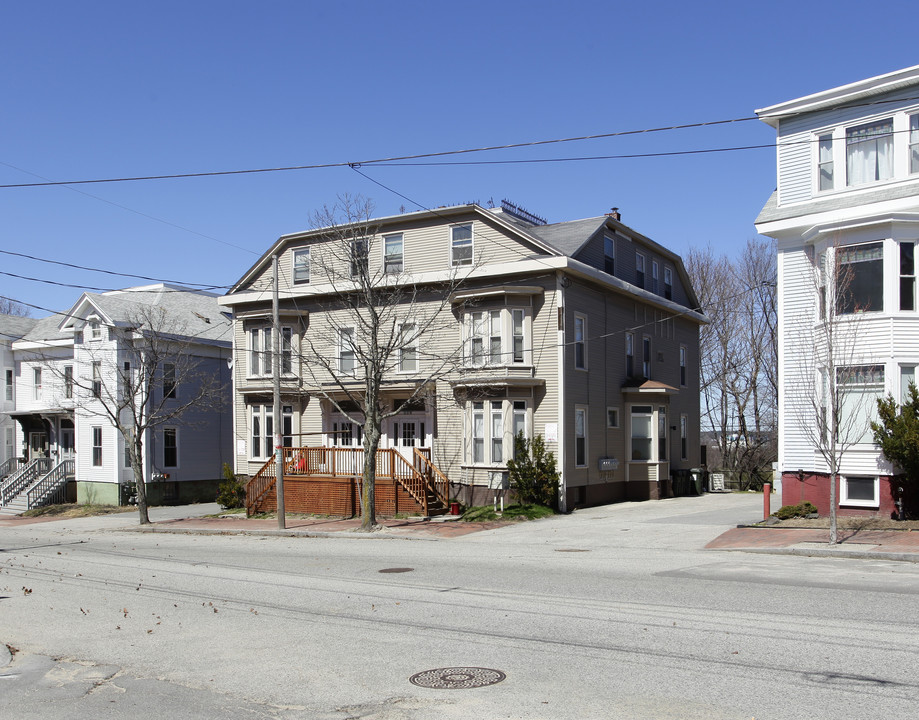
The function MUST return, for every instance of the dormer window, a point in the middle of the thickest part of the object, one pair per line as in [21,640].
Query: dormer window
[869,152]
[95,330]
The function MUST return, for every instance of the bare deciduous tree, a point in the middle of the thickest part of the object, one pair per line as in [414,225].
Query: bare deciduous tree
[8,306]
[377,320]
[738,356]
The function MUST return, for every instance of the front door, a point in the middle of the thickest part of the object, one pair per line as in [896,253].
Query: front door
[66,443]
[38,445]
[409,431]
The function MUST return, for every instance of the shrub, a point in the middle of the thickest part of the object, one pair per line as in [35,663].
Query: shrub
[533,473]
[231,493]
[787,512]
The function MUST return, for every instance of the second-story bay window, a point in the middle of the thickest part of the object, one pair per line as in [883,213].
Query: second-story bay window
[496,337]
[825,162]
[261,349]
[907,276]
[346,354]
[860,278]
[869,152]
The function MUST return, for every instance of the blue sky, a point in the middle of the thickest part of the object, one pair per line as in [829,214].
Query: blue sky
[115,89]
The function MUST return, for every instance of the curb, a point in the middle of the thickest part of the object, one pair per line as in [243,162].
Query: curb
[827,553]
[378,535]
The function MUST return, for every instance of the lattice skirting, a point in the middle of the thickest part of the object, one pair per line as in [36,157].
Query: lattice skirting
[338,496]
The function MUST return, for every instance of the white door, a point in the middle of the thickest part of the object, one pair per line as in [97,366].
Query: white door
[66,443]
[409,431]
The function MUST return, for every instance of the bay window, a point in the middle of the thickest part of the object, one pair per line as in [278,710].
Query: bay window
[261,428]
[642,432]
[261,348]
[859,387]
[907,276]
[491,437]
[825,162]
[860,278]
[496,337]
[914,143]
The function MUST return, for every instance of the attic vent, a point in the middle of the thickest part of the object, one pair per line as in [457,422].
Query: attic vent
[522,214]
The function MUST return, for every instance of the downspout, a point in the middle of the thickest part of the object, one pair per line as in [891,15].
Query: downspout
[562,433]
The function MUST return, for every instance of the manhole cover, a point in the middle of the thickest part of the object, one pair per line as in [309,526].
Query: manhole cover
[396,570]
[457,678]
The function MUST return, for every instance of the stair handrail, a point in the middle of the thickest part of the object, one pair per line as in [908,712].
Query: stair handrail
[260,485]
[437,481]
[412,480]
[23,477]
[51,488]
[9,466]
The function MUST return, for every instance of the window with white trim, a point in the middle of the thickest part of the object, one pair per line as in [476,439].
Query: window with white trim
[646,356]
[170,447]
[914,144]
[661,434]
[9,386]
[392,254]
[682,366]
[95,330]
[580,436]
[461,244]
[655,271]
[301,266]
[360,255]
[612,417]
[859,491]
[907,276]
[580,342]
[860,279]
[169,381]
[639,270]
[346,351]
[9,443]
[668,283]
[97,446]
[496,337]
[642,432]
[907,376]
[825,162]
[36,383]
[629,355]
[408,348]
[684,437]
[609,255]
[491,436]
[869,152]
[261,430]
[97,379]
[259,351]
[859,388]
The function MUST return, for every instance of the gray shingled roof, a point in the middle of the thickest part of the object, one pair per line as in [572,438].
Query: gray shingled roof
[771,211]
[13,327]
[568,237]
[47,328]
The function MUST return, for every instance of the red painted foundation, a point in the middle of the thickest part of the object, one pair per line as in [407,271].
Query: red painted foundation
[815,489]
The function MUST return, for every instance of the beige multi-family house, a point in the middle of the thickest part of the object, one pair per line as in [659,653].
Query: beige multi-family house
[583,332]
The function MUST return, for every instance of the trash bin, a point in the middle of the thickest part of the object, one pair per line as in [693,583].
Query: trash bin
[696,480]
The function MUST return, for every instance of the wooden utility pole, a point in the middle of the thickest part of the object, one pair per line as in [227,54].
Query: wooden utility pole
[277,419]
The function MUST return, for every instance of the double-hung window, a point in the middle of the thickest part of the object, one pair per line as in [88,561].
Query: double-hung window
[97,446]
[484,338]
[580,342]
[491,440]
[478,432]
[859,387]
[461,244]
[169,381]
[580,436]
[392,254]
[629,355]
[517,316]
[869,152]
[682,366]
[639,270]
[497,431]
[684,437]
[642,432]
[36,383]
[646,357]
[668,283]
[655,272]
[262,430]
[260,351]
[287,350]
[97,379]
[520,424]
[301,266]
[825,162]
[907,276]
[68,382]
[346,351]
[662,434]
[9,384]
[914,143]
[170,447]
[860,278]
[408,348]
[360,253]
[609,254]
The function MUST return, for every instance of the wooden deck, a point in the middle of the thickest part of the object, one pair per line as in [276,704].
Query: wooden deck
[327,481]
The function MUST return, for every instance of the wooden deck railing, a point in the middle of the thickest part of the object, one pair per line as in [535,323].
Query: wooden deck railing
[341,462]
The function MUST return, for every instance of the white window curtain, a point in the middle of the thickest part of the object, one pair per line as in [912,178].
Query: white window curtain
[869,153]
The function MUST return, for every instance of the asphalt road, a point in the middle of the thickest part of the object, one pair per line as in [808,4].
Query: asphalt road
[612,612]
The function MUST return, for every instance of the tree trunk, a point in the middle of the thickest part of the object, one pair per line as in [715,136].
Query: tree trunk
[368,492]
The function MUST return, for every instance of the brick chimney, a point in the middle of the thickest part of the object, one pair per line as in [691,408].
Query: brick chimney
[614,214]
